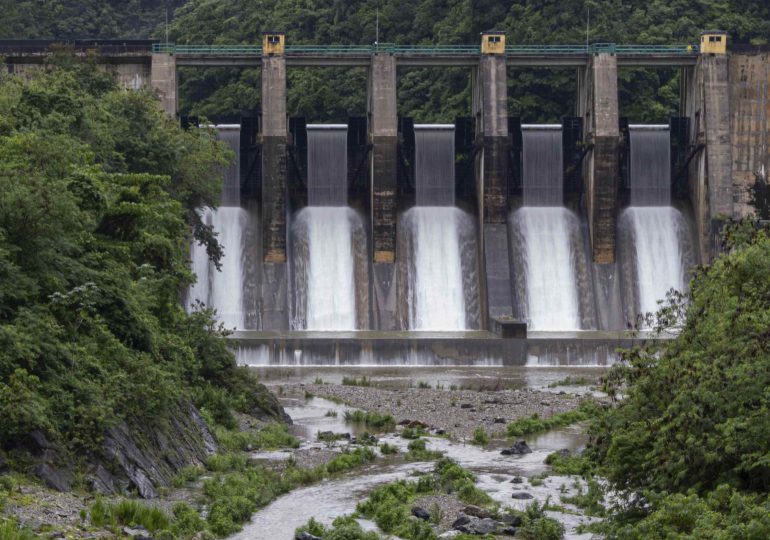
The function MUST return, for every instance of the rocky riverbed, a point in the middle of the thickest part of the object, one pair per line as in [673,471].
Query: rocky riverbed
[458,412]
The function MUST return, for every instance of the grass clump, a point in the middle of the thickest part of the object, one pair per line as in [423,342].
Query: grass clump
[534,424]
[417,451]
[331,414]
[480,436]
[571,381]
[388,449]
[352,381]
[413,433]
[568,464]
[589,500]
[271,437]
[371,419]
[130,513]
[538,526]
[11,530]
[187,475]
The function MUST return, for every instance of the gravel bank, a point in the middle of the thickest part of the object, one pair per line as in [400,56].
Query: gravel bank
[459,412]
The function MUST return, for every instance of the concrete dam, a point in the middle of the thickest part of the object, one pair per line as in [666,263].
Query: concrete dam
[485,241]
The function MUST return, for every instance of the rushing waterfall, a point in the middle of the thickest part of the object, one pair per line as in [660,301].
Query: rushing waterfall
[223,290]
[436,295]
[548,248]
[442,266]
[654,237]
[324,236]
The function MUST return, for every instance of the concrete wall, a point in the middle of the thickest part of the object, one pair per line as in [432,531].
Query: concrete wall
[749,126]
[383,135]
[598,106]
[706,96]
[164,81]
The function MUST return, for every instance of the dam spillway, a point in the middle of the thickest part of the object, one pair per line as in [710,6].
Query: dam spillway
[440,259]
[225,289]
[656,241]
[547,243]
[327,235]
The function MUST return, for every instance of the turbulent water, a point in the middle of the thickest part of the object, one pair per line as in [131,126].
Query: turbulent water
[658,232]
[436,292]
[546,238]
[658,235]
[329,269]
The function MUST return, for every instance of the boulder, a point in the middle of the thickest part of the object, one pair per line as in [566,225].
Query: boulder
[509,531]
[475,511]
[518,448]
[522,495]
[478,526]
[517,480]
[499,420]
[420,513]
[461,520]
[512,520]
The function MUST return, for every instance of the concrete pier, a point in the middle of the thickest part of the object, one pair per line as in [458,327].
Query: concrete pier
[163,80]
[598,106]
[490,109]
[274,309]
[383,135]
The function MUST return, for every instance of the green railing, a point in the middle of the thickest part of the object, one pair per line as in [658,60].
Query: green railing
[223,50]
[427,50]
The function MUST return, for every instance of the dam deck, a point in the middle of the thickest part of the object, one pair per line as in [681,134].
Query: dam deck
[140,51]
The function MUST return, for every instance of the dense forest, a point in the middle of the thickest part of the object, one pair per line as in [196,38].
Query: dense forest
[427,95]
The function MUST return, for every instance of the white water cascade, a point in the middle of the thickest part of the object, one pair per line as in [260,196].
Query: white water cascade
[658,232]
[657,236]
[436,293]
[331,300]
[546,236]
[223,290]
[324,232]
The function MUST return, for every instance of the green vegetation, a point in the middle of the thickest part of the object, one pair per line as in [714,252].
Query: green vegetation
[537,526]
[534,424]
[98,190]
[373,419]
[480,436]
[270,437]
[687,446]
[417,451]
[388,449]
[352,381]
[571,381]
[127,512]
[570,464]
[330,413]
[413,432]
[11,530]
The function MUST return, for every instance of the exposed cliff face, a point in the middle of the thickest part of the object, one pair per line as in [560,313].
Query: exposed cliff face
[142,458]
[145,459]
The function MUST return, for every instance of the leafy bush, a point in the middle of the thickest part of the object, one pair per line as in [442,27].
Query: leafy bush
[534,424]
[480,436]
[382,422]
[417,451]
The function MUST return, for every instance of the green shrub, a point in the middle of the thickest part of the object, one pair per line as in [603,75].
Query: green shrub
[534,424]
[187,475]
[11,530]
[417,451]
[372,419]
[349,460]
[352,381]
[480,436]
[537,526]
[413,433]
[388,449]
[128,512]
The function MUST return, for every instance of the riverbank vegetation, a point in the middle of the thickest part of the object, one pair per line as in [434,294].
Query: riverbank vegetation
[686,449]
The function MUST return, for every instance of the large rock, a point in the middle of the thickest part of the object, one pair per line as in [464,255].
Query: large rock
[478,526]
[522,496]
[420,513]
[518,448]
[53,477]
[306,536]
[472,510]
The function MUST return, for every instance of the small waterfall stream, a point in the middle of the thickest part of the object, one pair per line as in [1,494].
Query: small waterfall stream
[548,249]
